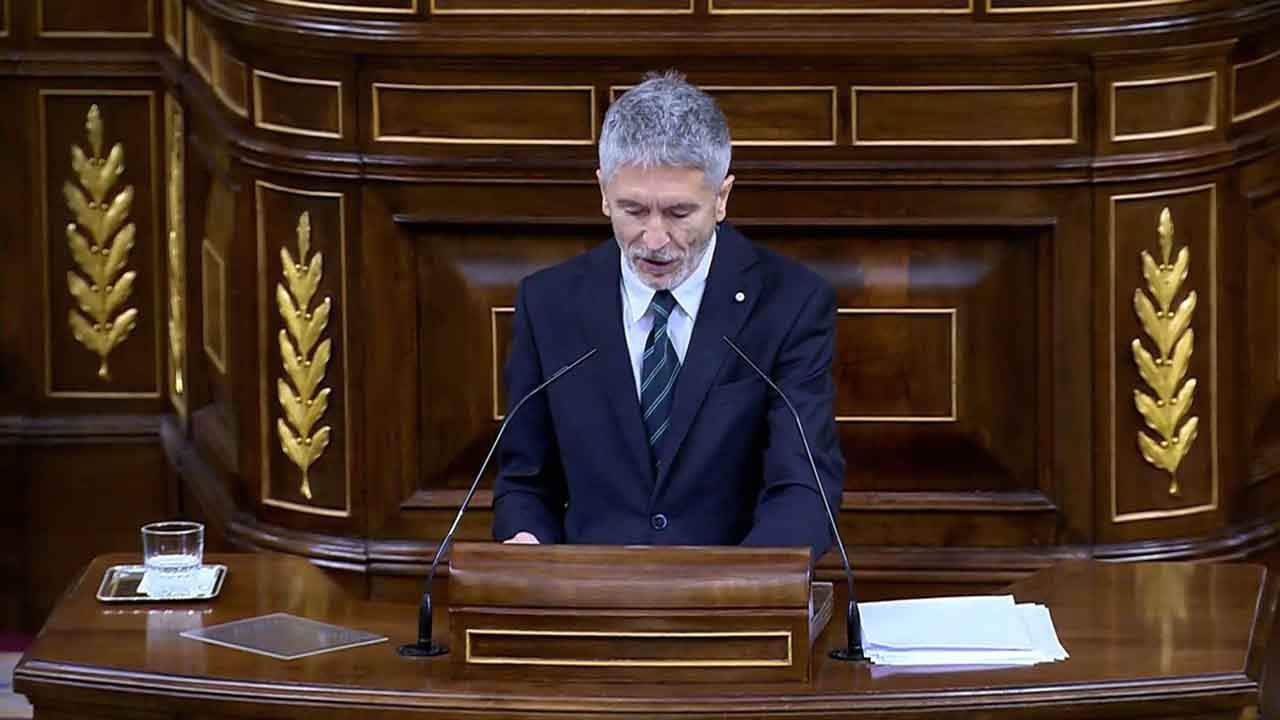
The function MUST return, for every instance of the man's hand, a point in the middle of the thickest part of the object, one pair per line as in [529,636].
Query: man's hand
[523,537]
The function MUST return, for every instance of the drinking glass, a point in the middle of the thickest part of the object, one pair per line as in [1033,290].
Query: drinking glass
[172,553]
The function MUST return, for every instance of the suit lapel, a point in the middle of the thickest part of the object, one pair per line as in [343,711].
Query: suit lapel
[601,303]
[721,313]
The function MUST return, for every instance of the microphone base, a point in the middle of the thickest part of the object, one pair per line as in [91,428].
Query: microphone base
[419,650]
[848,655]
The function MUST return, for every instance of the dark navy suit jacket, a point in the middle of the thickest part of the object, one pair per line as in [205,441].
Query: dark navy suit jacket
[575,463]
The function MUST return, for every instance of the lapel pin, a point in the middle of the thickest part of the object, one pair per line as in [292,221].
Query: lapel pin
[740,297]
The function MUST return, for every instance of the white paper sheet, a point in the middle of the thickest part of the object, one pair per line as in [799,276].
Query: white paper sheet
[975,632]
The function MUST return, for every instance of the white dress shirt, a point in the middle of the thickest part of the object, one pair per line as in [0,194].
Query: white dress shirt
[637,319]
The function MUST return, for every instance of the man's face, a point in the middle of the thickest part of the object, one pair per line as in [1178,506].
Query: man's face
[663,219]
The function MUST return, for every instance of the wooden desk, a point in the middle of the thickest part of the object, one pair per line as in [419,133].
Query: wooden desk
[1167,640]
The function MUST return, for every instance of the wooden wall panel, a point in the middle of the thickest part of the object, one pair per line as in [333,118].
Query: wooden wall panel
[1262,309]
[101,19]
[1136,490]
[135,366]
[1164,107]
[6,19]
[311,227]
[350,7]
[484,114]
[231,82]
[173,21]
[296,105]
[561,7]
[1076,7]
[782,116]
[1256,86]
[966,115]
[840,7]
[896,364]
[200,47]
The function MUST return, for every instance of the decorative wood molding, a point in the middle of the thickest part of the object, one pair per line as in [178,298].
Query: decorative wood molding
[1238,114]
[950,314]
[401,7]
[173,11]
[585,7]
[175,146]
[262,114]
[1069,101]
[149,32]
[993,8]
[1208,124]
[213,306]
[838,7]
[381,89]
[816,137]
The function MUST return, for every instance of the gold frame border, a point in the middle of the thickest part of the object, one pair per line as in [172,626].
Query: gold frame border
[6,18]
[174,44]
[219,357]
[1260,110]
[220,58]
[1092,7]
[952,313]
[258,122]
[1113,201]
[427,140]
[1011,142]
[835,112]
[1209,125]
[482,660]
[174,114]
[158,300]
[711,10]
[99,34]
[433,9]
[494,310]
[352,9]
[264,413]
[206,73]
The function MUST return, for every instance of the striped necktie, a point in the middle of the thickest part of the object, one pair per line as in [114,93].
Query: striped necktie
[658,368]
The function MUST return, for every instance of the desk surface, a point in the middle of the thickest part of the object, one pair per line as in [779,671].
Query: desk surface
[1139,635]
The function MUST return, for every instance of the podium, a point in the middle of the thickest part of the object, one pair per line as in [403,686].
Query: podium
[696,614]
[1147,640]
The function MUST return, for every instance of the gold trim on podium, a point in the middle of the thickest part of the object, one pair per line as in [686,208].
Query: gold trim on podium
[1210,122]
[471,657]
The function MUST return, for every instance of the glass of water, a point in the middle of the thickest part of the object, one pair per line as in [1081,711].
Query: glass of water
[172,553]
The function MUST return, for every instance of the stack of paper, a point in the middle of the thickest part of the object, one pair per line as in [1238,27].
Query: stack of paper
[985,630]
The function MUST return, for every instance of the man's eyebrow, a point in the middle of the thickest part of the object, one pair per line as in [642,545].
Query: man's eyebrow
[682,206]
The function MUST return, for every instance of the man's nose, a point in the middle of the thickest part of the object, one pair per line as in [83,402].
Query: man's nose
[655,232]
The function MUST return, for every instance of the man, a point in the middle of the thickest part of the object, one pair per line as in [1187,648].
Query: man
[666,436]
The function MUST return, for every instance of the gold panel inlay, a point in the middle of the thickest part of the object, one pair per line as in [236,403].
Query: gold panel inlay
[43,126]
[337,134]
[494,312]
[411,9]
[1072,139]
[1170,329]
[954,414]
[6,19]
[173,21]
[260,188]
[1211,113]
[175,135]
[97,34]
[1084,7]
[378,136]
[222,80]
[213,274]
[1261,110]
[435,10]
[616,90]
[103,286]
[1116,515]
[195,33]
[783,9]
[471,657]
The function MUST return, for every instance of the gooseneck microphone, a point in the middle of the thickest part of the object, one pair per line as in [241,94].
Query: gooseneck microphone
[853,620]
[426,646]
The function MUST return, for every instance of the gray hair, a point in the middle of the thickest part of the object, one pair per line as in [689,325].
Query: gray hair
[666,121]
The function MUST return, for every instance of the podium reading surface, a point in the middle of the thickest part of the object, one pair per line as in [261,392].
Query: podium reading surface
[1146,640]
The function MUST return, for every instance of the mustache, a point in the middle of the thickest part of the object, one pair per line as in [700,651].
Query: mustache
[665,254]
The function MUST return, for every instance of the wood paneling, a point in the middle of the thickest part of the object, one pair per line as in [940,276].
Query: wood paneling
[129,119]
[896,365]
[1138,491]
[484,114]
[231,82]
[841,7]
[213,303]
[1256,86]
[960,115]
[6,19]
[172,17]
[200,47]
[1164,107]
[365,7]
[279,213]
[773,116]
[1061,7]
[102,19]
[297,105]
[561,7]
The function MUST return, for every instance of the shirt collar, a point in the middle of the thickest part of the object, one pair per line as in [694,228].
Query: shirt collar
[688,294]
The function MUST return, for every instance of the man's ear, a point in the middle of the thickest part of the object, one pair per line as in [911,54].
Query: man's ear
[604,199]
[722,198]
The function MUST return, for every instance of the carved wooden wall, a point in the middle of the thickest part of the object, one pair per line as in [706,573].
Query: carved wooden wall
[333,202]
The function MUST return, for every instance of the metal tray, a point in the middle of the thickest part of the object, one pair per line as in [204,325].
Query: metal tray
[120,584]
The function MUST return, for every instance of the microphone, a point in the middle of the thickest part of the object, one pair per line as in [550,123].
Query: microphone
[426,646]
[853,620]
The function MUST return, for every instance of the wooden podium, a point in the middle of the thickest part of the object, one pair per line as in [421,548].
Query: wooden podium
[1148,640]
[611,613]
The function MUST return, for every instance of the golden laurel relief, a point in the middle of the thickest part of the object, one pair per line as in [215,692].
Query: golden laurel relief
[1170,330]
[104,254]
[303,406]
[177,251]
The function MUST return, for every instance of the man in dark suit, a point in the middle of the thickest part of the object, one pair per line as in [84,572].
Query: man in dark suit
[666,436]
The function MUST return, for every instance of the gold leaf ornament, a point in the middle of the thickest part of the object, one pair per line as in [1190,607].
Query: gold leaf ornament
[1169,329]
[100,242]
[304,354]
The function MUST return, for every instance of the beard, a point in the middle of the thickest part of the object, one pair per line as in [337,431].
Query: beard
[679,263]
